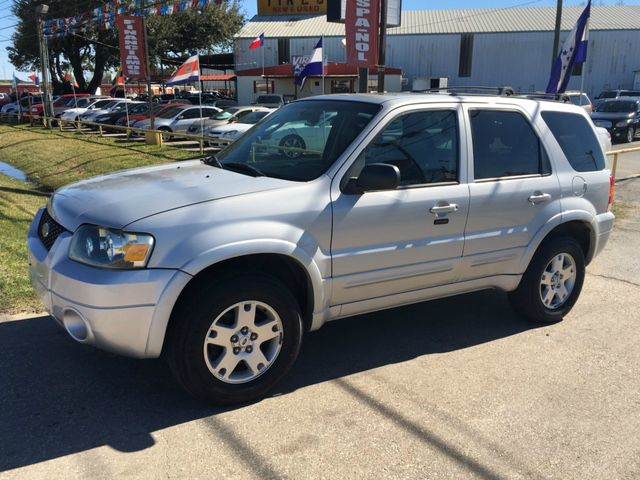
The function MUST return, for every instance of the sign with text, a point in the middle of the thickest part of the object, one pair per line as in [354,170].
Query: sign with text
[292,7]
[299,62]
[133,60]
[337,10]
[362,25]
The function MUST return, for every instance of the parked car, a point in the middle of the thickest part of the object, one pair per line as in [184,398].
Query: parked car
[112,117]
[580,99]
[178,119]
[62,103]
[136,117]
[230,115]
[73,114]
[607,94]
[621,116]
[271,101]
[223,266]
[80,103]
[222,136]
[113,106]
[22,106]
[605,139]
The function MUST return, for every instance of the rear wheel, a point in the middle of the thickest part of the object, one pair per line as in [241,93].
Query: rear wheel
[232,340]
[165,130]
[551,285]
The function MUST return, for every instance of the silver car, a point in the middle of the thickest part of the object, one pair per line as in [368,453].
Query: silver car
[230,115]
[223,265]
[179,118]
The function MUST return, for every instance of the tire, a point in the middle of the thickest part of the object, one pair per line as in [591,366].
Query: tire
[631,134]
[294,141]
[527,298]
[165,138]
[194,321]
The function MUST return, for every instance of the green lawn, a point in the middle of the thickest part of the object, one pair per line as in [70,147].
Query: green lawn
[52,159]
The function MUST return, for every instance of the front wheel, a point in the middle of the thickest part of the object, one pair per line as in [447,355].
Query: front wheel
[232,340]
[631,134]
[551,285]
[294,146]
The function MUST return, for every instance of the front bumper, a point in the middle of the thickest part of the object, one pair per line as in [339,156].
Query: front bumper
[123,311]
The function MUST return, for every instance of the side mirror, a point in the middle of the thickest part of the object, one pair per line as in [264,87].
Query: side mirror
[374,177]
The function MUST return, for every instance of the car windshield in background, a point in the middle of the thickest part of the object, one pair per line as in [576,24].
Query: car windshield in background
[301,140]
[170,112]
[102,104]
[253,117]
[269,99]
[226,115]
[608,95]
[617,107]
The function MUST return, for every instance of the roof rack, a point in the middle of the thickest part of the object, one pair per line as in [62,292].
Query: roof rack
[504,91]
[557,97]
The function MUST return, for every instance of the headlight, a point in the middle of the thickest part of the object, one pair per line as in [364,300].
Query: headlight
[623,123]
[108,248]
[230,133]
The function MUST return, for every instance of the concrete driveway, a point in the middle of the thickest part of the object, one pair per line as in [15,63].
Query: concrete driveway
[455,388]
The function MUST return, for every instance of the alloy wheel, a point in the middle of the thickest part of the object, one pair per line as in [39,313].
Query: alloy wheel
[243,342]
[557,281]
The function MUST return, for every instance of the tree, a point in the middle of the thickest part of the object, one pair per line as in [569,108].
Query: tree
[96,50]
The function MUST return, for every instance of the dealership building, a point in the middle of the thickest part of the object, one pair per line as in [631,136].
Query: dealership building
[475,47]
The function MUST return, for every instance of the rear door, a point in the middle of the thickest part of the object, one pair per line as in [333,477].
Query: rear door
[513,191]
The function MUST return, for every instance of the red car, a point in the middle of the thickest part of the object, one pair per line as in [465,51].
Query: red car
[60,105]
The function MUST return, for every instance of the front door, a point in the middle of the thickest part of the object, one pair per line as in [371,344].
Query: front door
[410,238]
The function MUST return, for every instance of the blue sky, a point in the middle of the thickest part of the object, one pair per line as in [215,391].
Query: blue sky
[6,21]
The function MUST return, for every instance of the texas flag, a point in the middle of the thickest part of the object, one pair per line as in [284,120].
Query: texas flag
[188,72]
[257,43]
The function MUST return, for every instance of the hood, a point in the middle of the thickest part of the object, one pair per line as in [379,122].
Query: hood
[611,116]
[121,198]
[230,127]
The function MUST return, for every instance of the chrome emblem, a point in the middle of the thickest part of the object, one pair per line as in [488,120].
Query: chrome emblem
[45,229]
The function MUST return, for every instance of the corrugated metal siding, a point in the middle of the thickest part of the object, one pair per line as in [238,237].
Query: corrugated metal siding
[534,19]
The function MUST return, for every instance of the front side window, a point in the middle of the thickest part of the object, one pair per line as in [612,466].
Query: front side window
[505,145]
[577,140]
[301,140]
[423,145]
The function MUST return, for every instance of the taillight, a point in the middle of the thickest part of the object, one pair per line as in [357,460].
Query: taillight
[612,190]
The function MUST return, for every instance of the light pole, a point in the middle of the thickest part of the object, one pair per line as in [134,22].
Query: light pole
[41,12]
[382,46]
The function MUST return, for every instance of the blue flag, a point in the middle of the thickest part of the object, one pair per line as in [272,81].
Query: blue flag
[573,52]
[315,67]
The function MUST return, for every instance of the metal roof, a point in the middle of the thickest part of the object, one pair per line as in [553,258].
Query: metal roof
[530,19]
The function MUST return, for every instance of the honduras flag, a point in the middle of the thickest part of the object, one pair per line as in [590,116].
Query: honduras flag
[315,67]
[574,52]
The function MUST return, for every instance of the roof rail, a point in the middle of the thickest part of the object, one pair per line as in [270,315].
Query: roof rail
[557,97]
[504,91]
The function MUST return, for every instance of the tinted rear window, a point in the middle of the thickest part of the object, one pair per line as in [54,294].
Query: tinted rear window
[577,140]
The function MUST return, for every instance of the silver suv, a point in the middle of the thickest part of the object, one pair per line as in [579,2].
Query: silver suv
[223,265]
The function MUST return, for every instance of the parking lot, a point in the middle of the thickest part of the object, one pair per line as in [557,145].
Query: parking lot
[455,388]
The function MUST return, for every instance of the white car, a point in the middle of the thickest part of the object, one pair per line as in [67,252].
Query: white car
[224,135]
[179,118]
[73,114]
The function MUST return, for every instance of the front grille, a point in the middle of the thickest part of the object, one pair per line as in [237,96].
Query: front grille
[51,228]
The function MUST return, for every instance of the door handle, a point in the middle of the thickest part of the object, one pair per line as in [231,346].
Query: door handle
[442,208]
[539,197]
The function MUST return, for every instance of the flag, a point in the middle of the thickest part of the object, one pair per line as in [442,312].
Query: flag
[69,77]
[15,82]
[573,52]
[188,72]
[257,43]
[315,67]
[35,79]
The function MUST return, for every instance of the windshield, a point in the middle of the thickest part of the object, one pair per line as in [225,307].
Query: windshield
[609,94]
[269,99]
[301,140]
[617,107]
[170,112]
[226,115]
[253,117]
[101,104]
[138,108]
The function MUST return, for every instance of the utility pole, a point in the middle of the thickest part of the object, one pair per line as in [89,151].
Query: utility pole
[152,115]
[556,36]
[382,45]
[41,11]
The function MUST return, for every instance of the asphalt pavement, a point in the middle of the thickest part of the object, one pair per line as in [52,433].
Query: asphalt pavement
[454,388]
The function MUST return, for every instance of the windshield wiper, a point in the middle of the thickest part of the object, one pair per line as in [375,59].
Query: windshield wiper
[243,168]
[213,161]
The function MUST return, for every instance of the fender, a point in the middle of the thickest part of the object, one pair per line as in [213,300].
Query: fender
[564,217]
[266,246]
